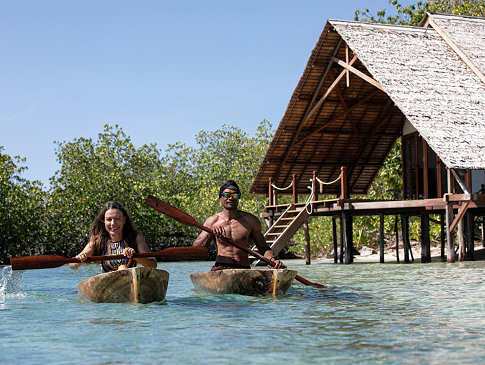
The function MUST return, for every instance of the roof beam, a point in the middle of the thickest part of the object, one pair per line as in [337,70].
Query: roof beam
[348,67]
[343,115]
[329,90]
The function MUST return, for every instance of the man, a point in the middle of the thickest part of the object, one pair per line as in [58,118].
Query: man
[237,225]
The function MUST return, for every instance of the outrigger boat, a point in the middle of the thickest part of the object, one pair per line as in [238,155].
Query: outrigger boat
[255,282]
[135,285]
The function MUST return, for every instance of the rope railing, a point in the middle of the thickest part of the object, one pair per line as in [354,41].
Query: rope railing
[321,182]
[282,189]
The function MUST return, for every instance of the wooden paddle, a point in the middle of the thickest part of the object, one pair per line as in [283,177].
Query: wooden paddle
[188,220]
[50,261]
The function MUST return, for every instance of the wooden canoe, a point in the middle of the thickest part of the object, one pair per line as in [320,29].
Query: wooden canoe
[135,285]
[256,282]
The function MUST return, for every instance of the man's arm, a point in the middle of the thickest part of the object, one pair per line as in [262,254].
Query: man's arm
[261,244]
[204,238]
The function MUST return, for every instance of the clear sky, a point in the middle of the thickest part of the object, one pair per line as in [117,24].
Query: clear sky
[162,70]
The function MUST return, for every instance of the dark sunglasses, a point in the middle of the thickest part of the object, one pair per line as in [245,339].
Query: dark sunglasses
[227,195]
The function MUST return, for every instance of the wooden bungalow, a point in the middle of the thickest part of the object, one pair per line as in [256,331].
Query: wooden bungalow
[364,87]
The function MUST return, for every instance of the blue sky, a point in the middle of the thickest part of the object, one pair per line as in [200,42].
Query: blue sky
[161,70]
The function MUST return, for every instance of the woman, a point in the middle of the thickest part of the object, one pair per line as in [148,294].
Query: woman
[114,233]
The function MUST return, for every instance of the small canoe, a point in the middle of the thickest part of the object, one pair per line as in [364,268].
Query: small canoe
[256,282]
[135,285]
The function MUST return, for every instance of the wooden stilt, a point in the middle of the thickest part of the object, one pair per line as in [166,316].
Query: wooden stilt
[381,238]
[425,241]
[396,232]
[482,226]
[341,254]
[442,236]
[348,238]
[404,230]
[335,242]
[308,259]
[461,241]
[450,244]
[469,236]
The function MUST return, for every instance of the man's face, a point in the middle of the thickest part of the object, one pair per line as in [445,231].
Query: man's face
[229,199]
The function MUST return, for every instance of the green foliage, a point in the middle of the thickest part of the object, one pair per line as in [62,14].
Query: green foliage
[412,14]
[199,170]
[94,172]
[21,209]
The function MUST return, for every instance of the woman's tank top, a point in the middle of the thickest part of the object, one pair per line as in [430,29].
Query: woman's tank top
[116,248]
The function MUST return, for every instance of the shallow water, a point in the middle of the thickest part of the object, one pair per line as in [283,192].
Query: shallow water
[369,313]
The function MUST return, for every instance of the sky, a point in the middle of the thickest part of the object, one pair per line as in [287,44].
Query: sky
[161,70]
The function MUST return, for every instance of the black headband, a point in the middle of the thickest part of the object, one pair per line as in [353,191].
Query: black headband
[229,184]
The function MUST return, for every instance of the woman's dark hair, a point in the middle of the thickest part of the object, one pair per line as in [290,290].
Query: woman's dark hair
[100,237]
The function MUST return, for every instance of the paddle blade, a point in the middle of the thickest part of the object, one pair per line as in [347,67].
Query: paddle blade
[172,212]
[38,262]
[308,282]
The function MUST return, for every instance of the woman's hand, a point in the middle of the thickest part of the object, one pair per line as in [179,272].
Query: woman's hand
[129,252]
[82,257]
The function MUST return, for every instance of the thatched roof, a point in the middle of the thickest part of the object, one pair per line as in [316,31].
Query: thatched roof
[408,73]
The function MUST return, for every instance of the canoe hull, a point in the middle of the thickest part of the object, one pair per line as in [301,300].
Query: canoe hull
[255,282]
[135,285]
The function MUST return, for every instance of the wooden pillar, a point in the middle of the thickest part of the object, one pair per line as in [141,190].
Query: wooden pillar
[308,255]
[396,233]
[404,230]
[295,197]
[442,236]
[425,241]
[341,254]
[461,241]
[344,193]
[450,245]
[270,192]
[482,228]
[470,236]
[424,147]
[314,186]
[335,242]
[381,238]
[348,238]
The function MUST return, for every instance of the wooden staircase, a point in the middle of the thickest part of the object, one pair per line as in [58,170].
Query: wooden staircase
[279,234]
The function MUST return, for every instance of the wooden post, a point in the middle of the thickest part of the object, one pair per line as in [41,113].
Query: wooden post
[344,194]
[403,235]
[314,185]
[450,244]
[439,189]
[424,147]
[308,255]
[425,241]
[381,238]
[348,238]
[342,228]
[334,236]
[293,179]
[442,236]
[270,192]
[470,236]
[461,241]
[396,232]
[482,233]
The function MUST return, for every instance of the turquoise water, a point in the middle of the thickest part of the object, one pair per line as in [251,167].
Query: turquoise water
[369,313]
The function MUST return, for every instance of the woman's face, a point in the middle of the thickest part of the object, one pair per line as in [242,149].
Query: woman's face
[114,220]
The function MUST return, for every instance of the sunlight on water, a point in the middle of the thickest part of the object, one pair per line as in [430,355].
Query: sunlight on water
[366,314]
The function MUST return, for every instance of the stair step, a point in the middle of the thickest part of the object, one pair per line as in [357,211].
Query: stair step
[287,219]
[273,234]
[283,226]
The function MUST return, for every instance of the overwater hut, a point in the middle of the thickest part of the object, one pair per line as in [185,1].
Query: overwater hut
[365,86]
